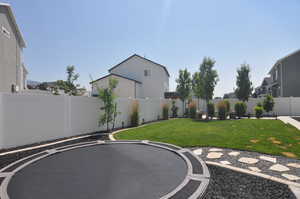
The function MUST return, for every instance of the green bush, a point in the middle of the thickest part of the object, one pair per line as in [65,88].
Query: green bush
[211,110]
[165,113]
[222,110]
[258,111]
[268,103]
[192,110]
[227,106]
[259,104]
[240,109]
[174,109]
[135,114]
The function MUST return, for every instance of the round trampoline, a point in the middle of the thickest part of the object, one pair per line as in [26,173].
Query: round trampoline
[107,169]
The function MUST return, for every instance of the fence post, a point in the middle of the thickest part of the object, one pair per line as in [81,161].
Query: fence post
[290,105]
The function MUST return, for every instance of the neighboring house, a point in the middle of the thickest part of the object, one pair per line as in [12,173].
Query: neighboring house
[264,88]
[138,78]
[229,95]
[12,70]
[285,75]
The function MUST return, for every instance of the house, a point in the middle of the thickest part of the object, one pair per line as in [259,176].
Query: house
[264,89]
[138,78]
[285,75]
[13,72]
[230,95]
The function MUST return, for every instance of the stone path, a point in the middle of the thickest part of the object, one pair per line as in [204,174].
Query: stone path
[276,166]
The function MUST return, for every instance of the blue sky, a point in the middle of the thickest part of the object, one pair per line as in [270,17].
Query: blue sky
[94,35]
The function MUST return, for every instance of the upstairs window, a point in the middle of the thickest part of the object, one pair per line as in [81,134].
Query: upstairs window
[147,73]
[5,32]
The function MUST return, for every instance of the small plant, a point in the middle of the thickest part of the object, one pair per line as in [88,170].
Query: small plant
[227,106]
[222,110]
[259,104]
[135,114]
[268,103]
[240,109]
[165,112]
[258,111]
[192,109]
[210,110]
[174,109]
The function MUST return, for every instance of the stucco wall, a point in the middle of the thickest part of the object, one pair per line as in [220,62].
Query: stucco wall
[125,88]
[9,53]
[153,86]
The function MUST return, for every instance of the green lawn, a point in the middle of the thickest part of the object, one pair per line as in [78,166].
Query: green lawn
[266,136]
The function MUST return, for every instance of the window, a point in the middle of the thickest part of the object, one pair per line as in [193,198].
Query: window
[147,73]
[5,32]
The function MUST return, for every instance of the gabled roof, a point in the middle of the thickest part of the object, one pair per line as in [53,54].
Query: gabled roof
[282,59]
[136,55]
[13,19]
[267,81]
[117,76]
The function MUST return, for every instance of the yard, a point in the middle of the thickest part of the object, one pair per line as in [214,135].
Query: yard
[265,136]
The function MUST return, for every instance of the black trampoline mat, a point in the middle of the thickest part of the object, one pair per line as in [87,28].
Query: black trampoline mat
[112,171]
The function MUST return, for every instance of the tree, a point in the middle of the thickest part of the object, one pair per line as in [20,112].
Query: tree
[268,103]
[243,83]
[107,96]
[197,86]
[209,79]
[69,85]
[183,86]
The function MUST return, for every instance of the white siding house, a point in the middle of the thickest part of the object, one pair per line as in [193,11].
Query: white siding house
[138,78]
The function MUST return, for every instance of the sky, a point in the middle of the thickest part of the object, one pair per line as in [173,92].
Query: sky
[95,35]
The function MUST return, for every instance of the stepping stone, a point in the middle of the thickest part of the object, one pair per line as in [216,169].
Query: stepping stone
[295,165]
[215,149]
[248,160]
[214,155]
[254,169]
[225,162]
[270,159]
[198,151]
[279,167]
[290,177]
[234,153]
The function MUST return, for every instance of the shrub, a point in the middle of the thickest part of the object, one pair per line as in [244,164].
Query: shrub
[192,109]
[211,110]
[222,110]
[227,106]
[259,104]
[268,103]
[240,109]
[258,111]
[174,109]
[165,112]
[135,114]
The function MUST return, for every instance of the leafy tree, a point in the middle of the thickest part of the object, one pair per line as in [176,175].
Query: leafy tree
[209,79]
[183,86]
[69,85]
[268,103]
[240,109]
[43,86]
[197,86]
[108,97]
[243,83]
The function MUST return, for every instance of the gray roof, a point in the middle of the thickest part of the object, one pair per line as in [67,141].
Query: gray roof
[13,19]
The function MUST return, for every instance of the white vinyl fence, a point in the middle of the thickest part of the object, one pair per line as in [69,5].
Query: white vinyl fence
[28,118]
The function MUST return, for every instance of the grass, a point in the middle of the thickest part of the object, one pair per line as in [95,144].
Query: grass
[265,136]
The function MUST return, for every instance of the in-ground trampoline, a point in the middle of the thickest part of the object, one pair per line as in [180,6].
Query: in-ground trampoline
[107,169]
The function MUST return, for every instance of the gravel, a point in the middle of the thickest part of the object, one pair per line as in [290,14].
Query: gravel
[225,183]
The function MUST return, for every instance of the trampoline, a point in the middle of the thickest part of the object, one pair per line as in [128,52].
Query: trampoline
[107,169]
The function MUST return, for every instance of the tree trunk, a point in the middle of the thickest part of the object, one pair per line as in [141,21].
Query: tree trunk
[183,107]
[206,109]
